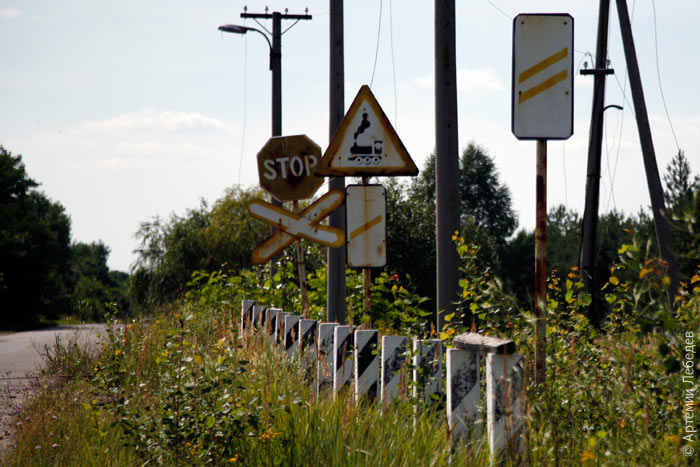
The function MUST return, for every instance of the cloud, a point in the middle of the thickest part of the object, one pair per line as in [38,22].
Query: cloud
[478,79]
[9,13]
[151,119]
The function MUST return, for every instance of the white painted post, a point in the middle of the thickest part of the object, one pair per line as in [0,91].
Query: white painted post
[325,356]
[291,334]
[279,328]
[427,368]
[463,391]
[366,364]
[258,316]
[342,357]
[394,356]
[271,322]
[504,418]
[246,314]
[307,339]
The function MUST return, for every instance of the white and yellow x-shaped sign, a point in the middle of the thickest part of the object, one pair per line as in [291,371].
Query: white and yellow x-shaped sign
[304,225]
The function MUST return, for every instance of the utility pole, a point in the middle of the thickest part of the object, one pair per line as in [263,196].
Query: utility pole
[446,159]
[589,251]
[275,60]
[335,277]
[663,230]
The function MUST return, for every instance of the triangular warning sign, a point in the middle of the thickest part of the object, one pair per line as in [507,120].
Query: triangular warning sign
[366,144]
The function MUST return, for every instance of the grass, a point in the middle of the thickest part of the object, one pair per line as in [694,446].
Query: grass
[185,389]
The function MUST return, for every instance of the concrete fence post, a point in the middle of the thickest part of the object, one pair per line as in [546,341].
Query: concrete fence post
[246,314]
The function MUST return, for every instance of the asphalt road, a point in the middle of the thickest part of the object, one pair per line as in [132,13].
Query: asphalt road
[20,358]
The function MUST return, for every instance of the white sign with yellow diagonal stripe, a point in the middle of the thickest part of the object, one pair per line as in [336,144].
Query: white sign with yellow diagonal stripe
[543,78]
[366,225]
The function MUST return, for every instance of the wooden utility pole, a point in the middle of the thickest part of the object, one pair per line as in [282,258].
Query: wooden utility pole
[662,227]
[335,273]
[446,159]
[589,252]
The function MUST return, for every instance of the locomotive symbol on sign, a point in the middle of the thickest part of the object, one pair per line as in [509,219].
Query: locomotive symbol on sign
[370,152]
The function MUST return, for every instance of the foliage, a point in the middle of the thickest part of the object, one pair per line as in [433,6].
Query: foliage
[34,248]
[203,239]
[682,197]
[96,287]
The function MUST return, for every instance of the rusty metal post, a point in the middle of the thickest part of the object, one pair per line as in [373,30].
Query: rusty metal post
[541,262]
[367,275]
[302,271]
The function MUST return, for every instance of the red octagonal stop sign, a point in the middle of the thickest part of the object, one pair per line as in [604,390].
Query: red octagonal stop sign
[286,167]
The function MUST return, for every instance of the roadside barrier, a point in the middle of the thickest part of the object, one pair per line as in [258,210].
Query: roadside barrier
[345,357]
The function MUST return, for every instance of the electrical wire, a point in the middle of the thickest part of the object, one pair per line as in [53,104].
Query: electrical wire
[499,9]
[376,52]
[611,196]
[393,65]
[658,75]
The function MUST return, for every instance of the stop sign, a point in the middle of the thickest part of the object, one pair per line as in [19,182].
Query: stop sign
[286,167]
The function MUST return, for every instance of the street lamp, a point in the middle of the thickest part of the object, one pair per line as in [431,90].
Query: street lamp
[275,65]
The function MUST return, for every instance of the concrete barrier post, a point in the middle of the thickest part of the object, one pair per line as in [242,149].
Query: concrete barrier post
[291,334]
[246,314]
[427,369]
[394,358]
[463,391]
[504,418]
[325,357]
[342,355]
[366,364]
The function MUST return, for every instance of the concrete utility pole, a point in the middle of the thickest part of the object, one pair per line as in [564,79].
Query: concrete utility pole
[446,159]
[589,251]
[335,280]
[275,60]
[663,230]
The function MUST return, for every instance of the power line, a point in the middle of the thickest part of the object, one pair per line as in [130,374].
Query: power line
[376,52]
[499,9]
[658,75]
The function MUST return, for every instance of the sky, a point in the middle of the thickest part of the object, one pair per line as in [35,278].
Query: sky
[126,110]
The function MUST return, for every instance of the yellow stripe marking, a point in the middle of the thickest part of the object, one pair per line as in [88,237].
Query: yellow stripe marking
[543,86]
[364,228]
[547,62]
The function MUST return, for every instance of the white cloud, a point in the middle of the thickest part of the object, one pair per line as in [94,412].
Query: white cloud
[9,13]
[478,79]
[150,119]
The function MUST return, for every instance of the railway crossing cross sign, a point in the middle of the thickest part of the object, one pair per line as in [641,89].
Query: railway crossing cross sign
[291,226]
[543,78]
[366,144]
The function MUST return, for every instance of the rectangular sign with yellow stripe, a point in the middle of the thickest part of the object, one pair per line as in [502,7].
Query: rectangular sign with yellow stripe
[543,91]
[365,206]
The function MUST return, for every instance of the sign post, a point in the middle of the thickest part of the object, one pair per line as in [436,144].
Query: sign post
[542,109]
[366,145]
[286,170]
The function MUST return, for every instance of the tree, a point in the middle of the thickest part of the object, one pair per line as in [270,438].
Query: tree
[682,196]
[34,248]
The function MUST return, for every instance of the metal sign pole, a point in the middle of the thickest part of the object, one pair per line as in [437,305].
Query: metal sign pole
[541,262]
[367,278]
[302,271]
